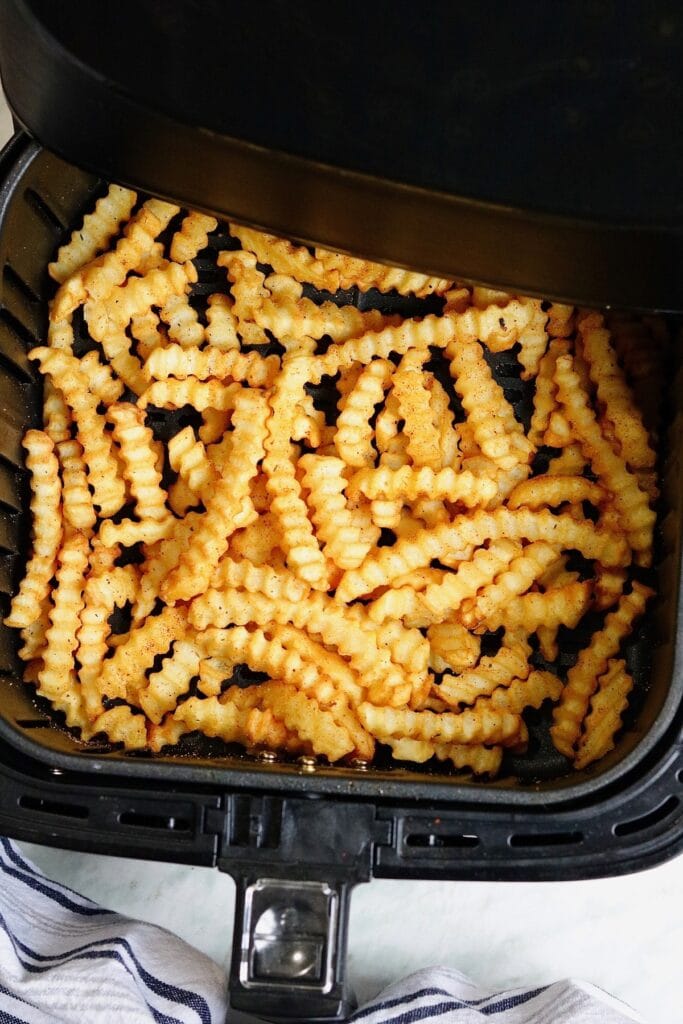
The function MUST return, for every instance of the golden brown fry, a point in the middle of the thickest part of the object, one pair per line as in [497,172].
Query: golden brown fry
[631,503]
[604,719]
[103,476]
[47,530]
[94,234]
[592,662]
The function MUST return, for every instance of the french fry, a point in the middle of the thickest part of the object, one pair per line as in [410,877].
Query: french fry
[192,236]
[171,681]
[615,396]
[492,672]
[135,443]
[414,407]
[592,663]
[286,258]
[47,530]
[97,449]
[297,538]
[121,725]
[452,647]
[94,234]
[123,675]
[209,542]
[481,726]
[410,482]
[496,431]
[554,491]
[524,569]
[545,395]
[631,503]
[203,364]
[353,438]
[364,274]
[380,567]
[95,280]
[533,340]
[604,719]
[561,606]
[57,678]
[337,527]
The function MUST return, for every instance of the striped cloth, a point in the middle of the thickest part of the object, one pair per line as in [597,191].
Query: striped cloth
[65,960]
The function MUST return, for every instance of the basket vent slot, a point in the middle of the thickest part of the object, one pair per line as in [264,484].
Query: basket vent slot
[34,723]
[167,822]
[627,828]
[530,839]
[438,840]
[56,807]
[13,278]
[37,203]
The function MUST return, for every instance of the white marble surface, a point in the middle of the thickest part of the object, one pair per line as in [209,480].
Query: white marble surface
[624,934]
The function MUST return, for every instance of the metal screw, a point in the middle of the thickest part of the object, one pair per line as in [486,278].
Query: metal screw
[307,764]
[269,756]
[360,764]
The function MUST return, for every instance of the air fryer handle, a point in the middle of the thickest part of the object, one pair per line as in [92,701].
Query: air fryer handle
[289,950]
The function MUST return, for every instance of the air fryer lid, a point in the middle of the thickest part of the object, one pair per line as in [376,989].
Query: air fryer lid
[531,146]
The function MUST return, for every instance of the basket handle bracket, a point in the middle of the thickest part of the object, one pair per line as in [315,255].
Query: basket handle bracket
[295,862]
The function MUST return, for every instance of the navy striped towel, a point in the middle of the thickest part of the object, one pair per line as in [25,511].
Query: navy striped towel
[64,960]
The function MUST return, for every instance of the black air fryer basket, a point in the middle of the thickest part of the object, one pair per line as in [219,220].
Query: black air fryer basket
[454,165]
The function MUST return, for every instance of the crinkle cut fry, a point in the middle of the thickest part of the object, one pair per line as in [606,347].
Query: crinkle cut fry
[411,482]
[210,541]
[201,394]
[419,334]
[95,280]
[171,681]
[94,234]
[135,442]
[481,726]
[192,237]
[382,566]
[276,305]
[545,395]
[204,364]
[353,438]
[109,491]
[631,503]
[364,274]
[107,320]
[496,431]
[317,614]
[604,718]
[57,677]
[560,606]
[592,662]
[533,340]
[615,396]
[123,674]
[286,258]
[106,588]
[414,408]
[47,530]
[339,530]
[494,671]
[297,538]
[515,579]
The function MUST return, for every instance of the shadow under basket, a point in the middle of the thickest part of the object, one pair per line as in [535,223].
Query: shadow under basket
[261,817]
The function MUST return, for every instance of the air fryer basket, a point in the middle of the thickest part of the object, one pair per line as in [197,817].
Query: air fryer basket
[43,199]
[259,819]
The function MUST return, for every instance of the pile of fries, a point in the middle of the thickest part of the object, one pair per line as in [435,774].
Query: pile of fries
[349,505]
